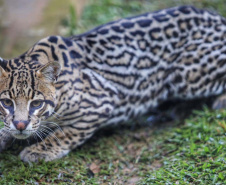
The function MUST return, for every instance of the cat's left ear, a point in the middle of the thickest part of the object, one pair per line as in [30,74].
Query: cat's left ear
[49,72]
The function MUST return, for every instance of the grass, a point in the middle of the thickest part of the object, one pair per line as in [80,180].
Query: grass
[196,152]
[189,153]
[193,152]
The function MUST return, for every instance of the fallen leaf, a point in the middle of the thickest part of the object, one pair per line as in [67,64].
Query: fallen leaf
[133,180]
[94,168]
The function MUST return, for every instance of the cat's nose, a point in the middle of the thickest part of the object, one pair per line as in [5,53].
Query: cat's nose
[20,125]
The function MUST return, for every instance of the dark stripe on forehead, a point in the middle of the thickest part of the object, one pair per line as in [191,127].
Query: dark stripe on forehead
[29,92]
[33,94]
[32,80]
[10,94]
[11,64]
[11,80]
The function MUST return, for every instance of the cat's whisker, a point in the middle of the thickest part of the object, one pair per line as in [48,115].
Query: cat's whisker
[42,139]
[57,114]
[47,133]
[14,139]
[55,137]
[28,142]
[47,128]
[55,126]
[48,122]
[51,134]
[4,133]
[34,135]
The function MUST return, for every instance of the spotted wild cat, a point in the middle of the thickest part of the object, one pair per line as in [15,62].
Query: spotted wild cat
[110,74]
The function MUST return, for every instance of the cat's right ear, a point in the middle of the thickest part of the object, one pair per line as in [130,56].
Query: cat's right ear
[49,72]
[3,73]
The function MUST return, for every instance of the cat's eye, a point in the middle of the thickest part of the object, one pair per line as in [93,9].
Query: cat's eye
[36,104]
[7,103]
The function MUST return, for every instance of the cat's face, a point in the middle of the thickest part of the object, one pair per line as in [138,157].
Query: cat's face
[27,95]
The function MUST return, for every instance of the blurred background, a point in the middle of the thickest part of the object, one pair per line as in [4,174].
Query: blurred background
[24,22]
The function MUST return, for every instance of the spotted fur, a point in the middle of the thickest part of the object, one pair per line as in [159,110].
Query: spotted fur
[110,74]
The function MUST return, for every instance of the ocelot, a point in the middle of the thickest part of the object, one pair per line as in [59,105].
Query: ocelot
[67,88]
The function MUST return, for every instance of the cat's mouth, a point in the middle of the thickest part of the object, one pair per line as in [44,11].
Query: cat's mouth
[21,135]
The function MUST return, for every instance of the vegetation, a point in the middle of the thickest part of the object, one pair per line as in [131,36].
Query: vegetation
[192,152]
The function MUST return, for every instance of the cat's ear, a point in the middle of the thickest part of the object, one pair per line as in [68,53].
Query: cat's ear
[49,72]
[3,73]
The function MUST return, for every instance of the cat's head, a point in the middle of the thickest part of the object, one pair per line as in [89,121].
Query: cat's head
[27,94]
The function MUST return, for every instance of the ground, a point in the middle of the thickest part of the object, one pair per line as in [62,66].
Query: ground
[191,152]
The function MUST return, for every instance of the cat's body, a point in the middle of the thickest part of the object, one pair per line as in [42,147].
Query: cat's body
[111,74]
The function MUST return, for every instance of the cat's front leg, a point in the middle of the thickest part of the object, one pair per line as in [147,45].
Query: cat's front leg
[5,139]
[57,144]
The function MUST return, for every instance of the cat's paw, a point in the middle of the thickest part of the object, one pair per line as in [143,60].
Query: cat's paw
[38,152]
[220,102]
